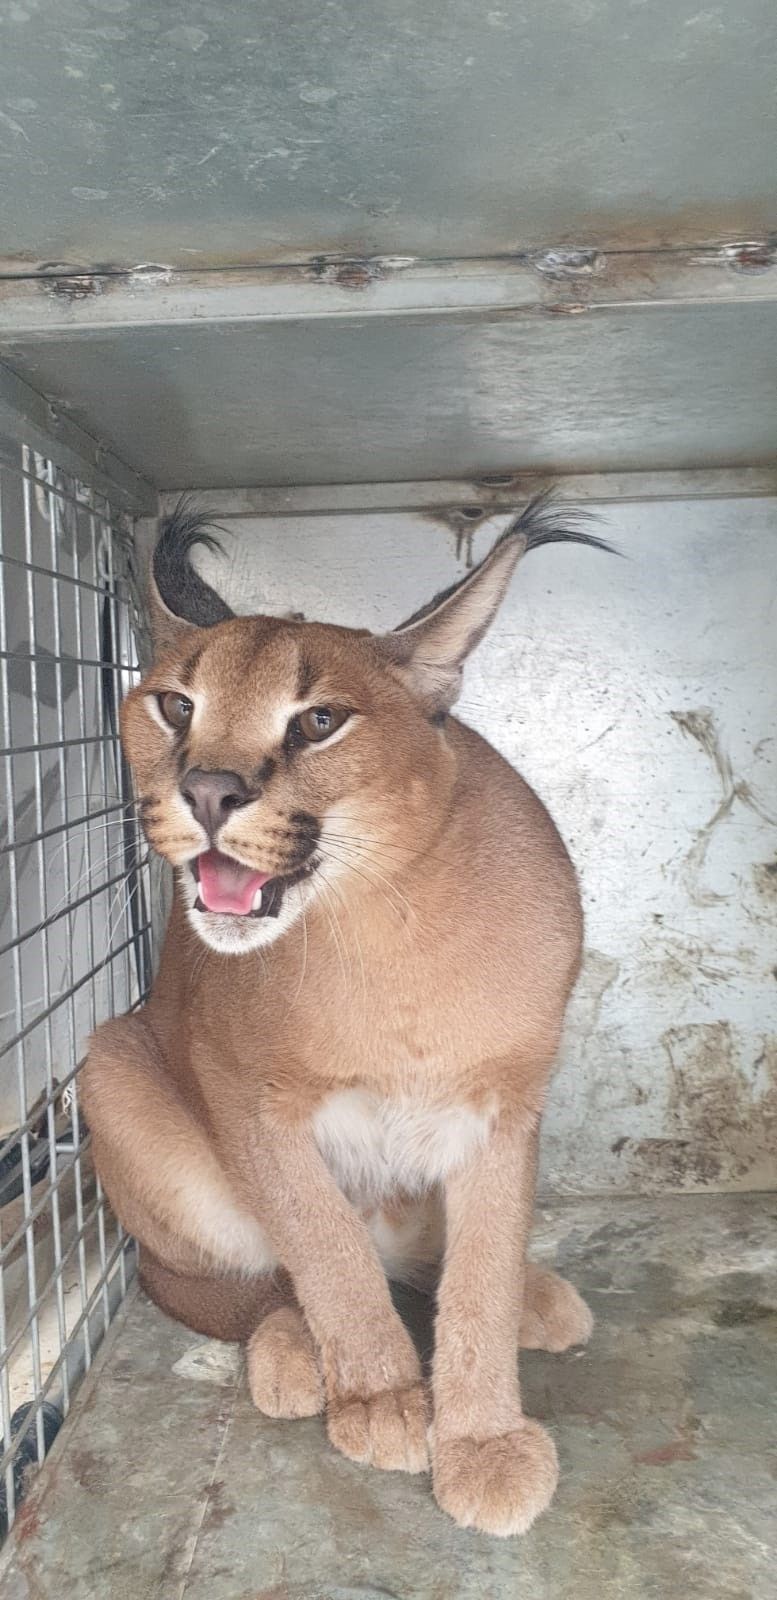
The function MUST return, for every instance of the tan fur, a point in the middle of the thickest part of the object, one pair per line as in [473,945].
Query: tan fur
[284,1372]
[366,1077]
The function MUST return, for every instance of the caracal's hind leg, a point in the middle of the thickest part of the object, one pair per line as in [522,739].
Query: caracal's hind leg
[282,1365]
[284,1370]
[159,1169]
[203,1258]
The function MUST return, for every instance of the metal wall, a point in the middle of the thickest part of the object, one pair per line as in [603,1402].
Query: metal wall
[639,696]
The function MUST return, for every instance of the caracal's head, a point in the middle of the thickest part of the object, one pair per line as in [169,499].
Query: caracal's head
[280,762]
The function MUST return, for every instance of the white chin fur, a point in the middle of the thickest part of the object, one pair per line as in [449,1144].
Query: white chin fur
[238,936]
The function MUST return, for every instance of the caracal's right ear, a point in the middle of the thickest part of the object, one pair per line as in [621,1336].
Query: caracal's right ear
[428,652]
[179,599]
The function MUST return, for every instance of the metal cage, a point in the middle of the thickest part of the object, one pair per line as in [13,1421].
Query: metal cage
[74,930]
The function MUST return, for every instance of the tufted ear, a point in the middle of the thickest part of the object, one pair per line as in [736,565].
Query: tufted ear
[429,650]
[179,598]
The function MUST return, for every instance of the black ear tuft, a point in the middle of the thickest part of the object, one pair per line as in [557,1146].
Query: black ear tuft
[546,520]
[428,651]
[179,585]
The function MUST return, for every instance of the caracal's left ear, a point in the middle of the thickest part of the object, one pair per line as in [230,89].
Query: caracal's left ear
[179,599]
[429,650]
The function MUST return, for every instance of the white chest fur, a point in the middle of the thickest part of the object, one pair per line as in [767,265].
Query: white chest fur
[374,1147]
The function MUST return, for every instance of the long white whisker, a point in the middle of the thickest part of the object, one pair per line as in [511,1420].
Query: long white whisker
[369,844]
[334,928]
[401,908]
[344,903]
[95,829]
[89,872]
[298,990]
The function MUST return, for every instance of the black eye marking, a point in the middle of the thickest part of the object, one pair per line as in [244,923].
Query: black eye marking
[438,719]
[264,772]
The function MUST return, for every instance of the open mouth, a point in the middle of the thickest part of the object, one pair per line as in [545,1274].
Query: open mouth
[231,889]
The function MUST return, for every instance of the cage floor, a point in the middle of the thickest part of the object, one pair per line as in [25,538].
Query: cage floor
[166,1483]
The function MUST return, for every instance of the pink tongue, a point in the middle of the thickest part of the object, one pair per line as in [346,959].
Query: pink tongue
[225,885]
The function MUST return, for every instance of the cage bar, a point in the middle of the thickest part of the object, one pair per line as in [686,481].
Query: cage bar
[74,929]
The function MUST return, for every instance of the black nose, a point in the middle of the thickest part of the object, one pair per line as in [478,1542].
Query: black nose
[212,795]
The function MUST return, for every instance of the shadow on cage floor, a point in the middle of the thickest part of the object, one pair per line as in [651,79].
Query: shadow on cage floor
[166,1483]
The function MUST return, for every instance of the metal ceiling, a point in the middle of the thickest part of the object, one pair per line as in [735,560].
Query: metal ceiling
[190,132]
[248,244]
[328,401]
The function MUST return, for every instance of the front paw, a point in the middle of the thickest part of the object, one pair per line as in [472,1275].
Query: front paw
[386,1430]
[555,1317]
[496,1485]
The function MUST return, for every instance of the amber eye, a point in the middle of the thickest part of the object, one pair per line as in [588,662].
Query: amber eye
[318,722]
[175,708]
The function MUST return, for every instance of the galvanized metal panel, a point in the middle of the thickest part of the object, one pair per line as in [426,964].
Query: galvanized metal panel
[27,418]
[479,288]
[462,505]
[640,699]
[173,130]
[371,400]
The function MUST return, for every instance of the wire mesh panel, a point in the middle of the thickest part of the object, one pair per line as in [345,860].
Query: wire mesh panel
[74,931]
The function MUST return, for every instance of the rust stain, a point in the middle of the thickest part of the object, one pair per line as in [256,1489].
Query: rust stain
[501,480]
[754,256]
[83,287]
[676,1450]
[576,262]
[744,224]
[681,1448]
[571,308]
[463,522]
[357,273]
[28,1522]
[684,228]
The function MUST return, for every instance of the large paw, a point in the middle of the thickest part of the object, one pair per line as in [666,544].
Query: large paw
[284,1375]
[555,1317]
[496,1485]
[386,1430]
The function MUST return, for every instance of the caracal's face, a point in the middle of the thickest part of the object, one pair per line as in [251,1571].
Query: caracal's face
[273,761]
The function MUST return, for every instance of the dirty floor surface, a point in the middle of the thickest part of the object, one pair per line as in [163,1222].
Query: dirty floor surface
[166,1483]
